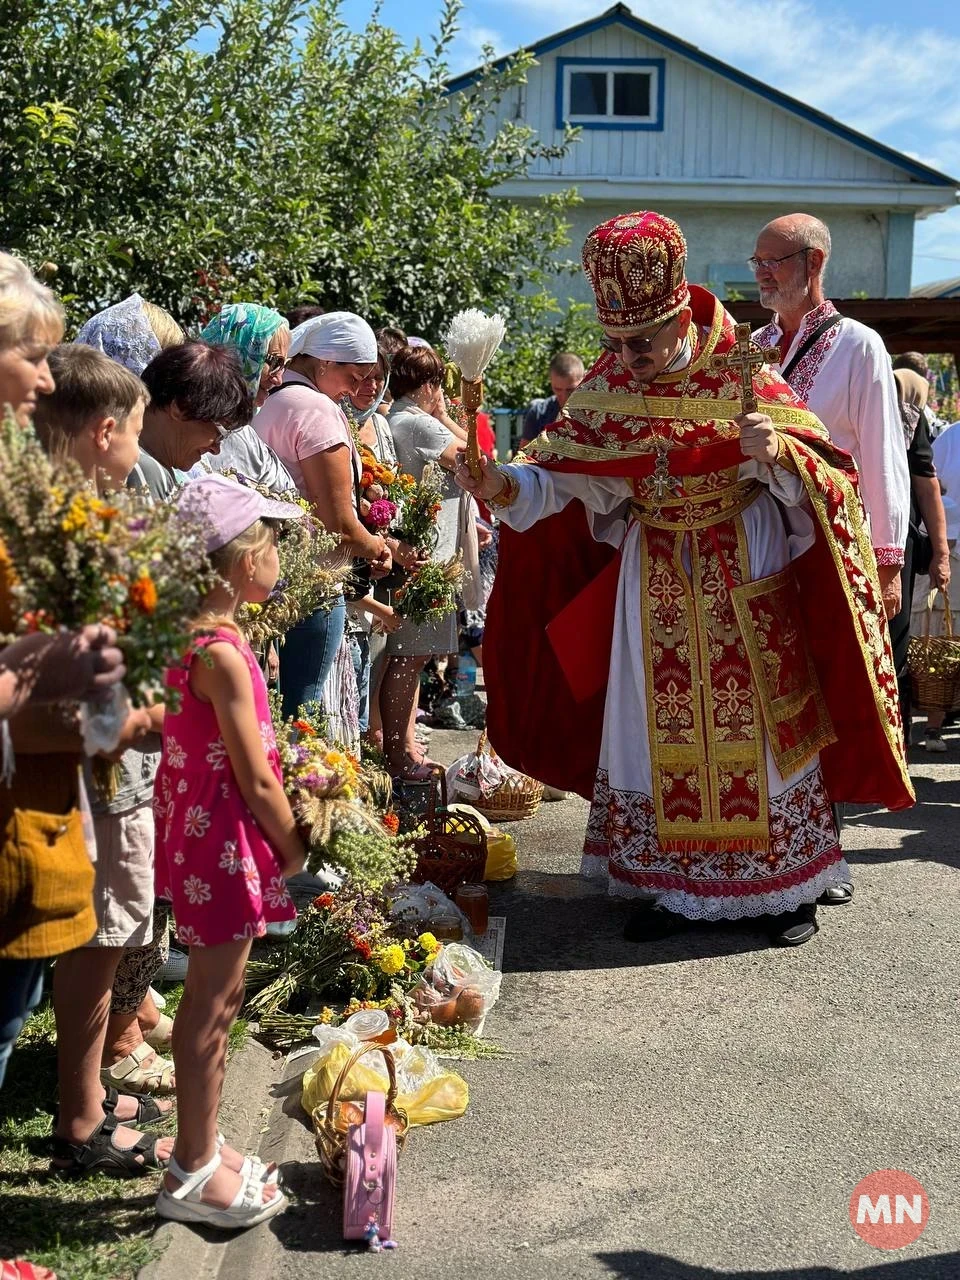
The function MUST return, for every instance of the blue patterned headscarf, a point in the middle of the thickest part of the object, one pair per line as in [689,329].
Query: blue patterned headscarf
[123,333]
[248,329]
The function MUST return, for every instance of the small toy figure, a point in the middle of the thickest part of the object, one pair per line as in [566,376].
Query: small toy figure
[372,1237]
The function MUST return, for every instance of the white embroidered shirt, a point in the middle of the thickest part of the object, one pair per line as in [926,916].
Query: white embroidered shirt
[846,379]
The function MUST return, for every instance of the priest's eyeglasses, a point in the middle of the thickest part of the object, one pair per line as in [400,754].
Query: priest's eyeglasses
[771,264]
[636,346]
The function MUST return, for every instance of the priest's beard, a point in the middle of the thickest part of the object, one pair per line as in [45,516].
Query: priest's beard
[786,297]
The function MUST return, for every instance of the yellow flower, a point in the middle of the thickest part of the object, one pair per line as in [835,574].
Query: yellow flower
[391,959]
[428,942]
[326,1015]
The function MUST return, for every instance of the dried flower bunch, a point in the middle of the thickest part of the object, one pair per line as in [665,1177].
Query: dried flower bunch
[430,593]
[311,570]
[78,559]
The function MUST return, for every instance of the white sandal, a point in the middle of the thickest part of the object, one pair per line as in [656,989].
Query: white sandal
[161,1037]
[253,1165]
[246,1209]
[142,1071]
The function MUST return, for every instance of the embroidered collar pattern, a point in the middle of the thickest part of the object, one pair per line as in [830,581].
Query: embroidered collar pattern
[804,375]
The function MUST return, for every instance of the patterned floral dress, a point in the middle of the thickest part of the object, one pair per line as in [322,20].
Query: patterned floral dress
[213,862]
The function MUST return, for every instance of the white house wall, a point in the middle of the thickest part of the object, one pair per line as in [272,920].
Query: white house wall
[712,128]
[719,235]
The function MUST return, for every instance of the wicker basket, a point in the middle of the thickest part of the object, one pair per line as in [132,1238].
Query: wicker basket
[332,1119]
[934,664]
[454,849]
[516,797]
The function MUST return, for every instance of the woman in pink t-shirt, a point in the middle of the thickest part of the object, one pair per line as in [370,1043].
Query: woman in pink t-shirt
[330,355]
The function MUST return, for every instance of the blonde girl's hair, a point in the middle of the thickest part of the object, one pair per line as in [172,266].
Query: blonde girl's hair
[28,309]
[257,540]
[166,330]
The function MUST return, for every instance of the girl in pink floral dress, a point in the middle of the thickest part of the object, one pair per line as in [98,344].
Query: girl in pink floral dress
[226,841]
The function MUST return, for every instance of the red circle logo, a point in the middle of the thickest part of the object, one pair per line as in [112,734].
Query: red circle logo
[889,1209]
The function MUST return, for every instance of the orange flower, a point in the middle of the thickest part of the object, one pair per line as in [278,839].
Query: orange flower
[391,822]
[143,594]
[324,901]
[366,479]
[305,727]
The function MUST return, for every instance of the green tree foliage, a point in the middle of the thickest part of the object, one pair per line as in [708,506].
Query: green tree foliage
[204,151]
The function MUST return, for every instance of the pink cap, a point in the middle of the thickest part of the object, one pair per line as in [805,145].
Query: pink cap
[229,507]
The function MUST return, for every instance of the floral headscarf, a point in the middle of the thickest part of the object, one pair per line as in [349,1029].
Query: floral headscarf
[248,329]
[123,333]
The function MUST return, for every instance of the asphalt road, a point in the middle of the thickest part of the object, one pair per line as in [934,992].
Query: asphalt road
[693,1109]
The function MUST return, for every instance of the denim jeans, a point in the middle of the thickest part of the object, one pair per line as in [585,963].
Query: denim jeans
[21,986]
[307,655]
[359,643]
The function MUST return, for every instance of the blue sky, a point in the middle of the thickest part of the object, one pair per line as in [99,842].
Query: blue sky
[888,69]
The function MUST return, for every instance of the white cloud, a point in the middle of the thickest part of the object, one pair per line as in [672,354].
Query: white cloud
[468,47]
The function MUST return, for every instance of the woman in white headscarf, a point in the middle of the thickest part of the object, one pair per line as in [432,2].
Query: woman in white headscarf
[303,423]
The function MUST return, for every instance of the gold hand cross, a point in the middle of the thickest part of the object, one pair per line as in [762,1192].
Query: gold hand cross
[745,357]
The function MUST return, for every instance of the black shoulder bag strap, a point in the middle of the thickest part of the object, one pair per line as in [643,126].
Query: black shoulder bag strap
[808,342]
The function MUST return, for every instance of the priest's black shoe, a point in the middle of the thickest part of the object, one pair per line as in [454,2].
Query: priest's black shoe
[793,928]
[650,923]
[837,895]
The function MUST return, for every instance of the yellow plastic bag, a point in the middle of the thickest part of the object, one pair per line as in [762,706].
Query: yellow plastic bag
[443,1098]
[501,856]
[501,846]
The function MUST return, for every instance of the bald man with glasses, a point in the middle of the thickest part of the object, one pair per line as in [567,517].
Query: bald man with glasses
[841,370]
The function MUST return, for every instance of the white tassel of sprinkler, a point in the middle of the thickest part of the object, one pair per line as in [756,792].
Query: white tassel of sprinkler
[471,342]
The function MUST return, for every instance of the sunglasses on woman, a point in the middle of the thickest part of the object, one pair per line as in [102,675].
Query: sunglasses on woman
[274,361]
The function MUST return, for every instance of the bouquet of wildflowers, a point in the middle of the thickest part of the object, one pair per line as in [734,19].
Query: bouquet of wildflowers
[78,559]
[311,569]
[430,592]
[333,800]
[343,949]
[422,502]
[384,488]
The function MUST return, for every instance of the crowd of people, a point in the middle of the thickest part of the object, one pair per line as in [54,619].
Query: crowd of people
[285,402]
[200,820]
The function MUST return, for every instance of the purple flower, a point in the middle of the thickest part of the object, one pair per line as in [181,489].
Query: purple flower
[381,513]
[311,781]
[138,525]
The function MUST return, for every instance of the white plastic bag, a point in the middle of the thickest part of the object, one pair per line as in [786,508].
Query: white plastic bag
[101,723]
[418,905]
[459,987]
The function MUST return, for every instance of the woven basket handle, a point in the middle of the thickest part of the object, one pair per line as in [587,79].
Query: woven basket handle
[440,777]
[947,616]
[348,1066]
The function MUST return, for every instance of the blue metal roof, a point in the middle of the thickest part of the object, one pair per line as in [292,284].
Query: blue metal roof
[621,14]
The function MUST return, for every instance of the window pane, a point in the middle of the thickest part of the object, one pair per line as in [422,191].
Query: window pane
[631,93]
[588,93]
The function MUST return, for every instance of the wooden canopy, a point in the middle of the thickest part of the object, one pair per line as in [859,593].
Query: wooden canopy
[928,325]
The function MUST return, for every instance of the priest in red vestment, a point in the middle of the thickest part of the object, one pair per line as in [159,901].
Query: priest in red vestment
[686,625]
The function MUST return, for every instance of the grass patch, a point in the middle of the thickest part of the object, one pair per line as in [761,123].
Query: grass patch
[97,1228]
